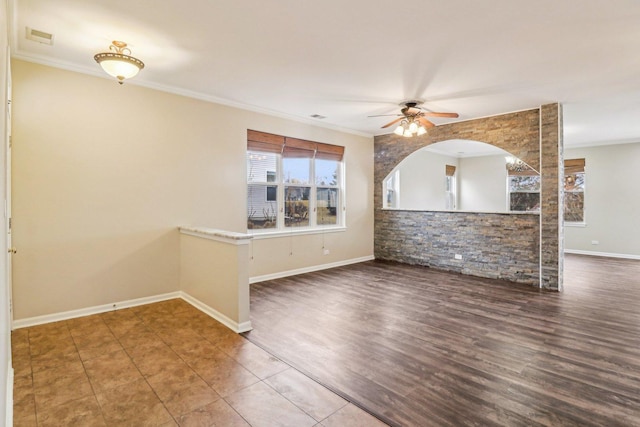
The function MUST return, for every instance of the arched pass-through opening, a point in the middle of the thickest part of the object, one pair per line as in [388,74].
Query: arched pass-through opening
[523,248]
[462,175]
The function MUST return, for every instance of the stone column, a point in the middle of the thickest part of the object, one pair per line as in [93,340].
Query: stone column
[551,197]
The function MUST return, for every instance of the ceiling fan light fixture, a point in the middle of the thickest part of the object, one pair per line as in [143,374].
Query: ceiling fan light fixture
[514,164]
[399,130]
[421,130]
[413,127]
[118,62]
[407,133]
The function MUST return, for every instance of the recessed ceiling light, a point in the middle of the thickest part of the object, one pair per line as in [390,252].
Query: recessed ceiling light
[318,116]
[39,36]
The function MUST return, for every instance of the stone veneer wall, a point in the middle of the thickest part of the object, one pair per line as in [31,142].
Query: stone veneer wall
[507,246]
[551,197]
[500,246]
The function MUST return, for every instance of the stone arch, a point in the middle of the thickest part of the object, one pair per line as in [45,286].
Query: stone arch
[518,133]
[534,136]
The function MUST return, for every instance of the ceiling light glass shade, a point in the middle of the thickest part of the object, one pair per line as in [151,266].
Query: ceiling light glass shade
[399,130]
[421,130]
[407,133]
[413,127]
[118,63]
[515,164]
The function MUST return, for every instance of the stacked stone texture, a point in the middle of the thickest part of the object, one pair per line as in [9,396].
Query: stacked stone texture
[498,246]
[551,197]
[505,246]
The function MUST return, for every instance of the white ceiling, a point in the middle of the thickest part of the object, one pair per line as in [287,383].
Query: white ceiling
[348,59]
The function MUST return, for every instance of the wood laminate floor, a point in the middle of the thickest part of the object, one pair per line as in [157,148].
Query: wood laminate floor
[420,347]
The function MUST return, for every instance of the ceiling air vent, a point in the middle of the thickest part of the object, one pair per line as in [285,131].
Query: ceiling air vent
[39,36]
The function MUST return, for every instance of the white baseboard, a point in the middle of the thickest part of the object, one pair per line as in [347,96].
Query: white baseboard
[9,402]
[50,318]
[603,254]
[313,268]
[229,323]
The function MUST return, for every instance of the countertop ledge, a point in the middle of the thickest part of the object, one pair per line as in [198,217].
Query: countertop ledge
[214,233]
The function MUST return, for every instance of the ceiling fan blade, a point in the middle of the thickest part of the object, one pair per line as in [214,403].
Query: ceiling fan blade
[435,114]
[393,122]
[386,115]
[426,123]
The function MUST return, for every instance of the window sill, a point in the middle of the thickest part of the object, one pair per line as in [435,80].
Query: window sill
[575,224]
[465,211]
[293,232]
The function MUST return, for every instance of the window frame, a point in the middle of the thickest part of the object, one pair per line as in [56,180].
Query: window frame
[583,172]
[509,192]
[281,228]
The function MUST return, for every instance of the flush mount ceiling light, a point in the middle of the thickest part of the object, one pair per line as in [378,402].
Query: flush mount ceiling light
[118,62]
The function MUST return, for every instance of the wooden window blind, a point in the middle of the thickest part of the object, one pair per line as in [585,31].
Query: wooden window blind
[262,141]
[299,148]
[292,147]
[329,152]
[572,166]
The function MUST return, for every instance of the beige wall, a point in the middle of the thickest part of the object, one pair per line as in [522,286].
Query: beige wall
[103,175]
[612,204]
[216,273]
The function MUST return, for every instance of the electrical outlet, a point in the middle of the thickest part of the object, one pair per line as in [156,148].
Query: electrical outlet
[326,252]
[595,242]
[457,256]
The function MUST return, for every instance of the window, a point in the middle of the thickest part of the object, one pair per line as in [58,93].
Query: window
[450,187]
[262,194]
[574,191]
[272,193]
[524,190]
[302,181]
[391,189]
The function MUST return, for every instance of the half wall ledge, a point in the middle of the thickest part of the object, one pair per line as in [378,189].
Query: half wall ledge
[214,269]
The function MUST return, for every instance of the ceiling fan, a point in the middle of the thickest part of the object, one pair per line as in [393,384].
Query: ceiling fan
[413,119]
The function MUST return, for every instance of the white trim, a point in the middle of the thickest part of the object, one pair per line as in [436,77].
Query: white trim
[575,224]
[9,400]
[602,254]
[541,157]
[296,232]
[49,318]
[602,143]
[464,212]
[97,72]
[313,268]
[229,323]
[217,235]
[39,320]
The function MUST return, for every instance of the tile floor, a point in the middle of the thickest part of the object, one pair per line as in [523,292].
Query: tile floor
[162,364]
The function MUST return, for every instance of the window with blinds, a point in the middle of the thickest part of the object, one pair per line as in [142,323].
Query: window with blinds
[450,187]
[574,186]
[293,183]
